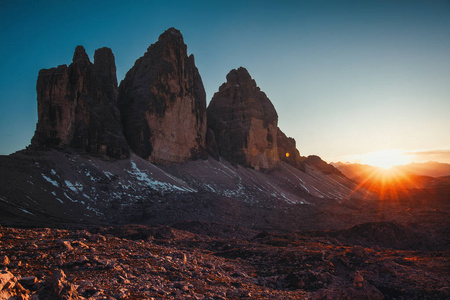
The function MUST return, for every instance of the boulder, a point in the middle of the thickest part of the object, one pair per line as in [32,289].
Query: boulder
[57,287]
[10,288]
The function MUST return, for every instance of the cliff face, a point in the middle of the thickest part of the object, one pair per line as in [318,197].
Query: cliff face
[77,106]
[163,103]
[159,110]
[288,151]
[242,123]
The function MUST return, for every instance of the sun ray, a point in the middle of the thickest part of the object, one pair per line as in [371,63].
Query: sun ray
[385,159]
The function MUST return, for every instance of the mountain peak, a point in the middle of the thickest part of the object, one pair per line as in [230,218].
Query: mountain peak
[80,54]
[76,107]
[243,122]
[238,77]
[171,34]
[163,103]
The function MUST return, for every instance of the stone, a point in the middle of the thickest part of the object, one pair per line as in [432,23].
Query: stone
[163,103]
[77,106]
[181,256]
[122,294]
[67,245]
[28,280]
[243,123]
[5,278]
[81,245]
[358,279]
[57,287]
[82,259]
[4,260]
[10,288]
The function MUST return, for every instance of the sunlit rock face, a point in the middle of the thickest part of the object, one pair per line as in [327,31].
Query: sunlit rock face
[163,103]
[242,123]
[77,106]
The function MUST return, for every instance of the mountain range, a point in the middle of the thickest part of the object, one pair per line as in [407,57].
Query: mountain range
[410,176]
[151,151]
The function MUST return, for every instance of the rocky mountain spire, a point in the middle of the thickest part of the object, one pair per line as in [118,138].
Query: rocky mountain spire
[242,123]
[77,106]
[163,103]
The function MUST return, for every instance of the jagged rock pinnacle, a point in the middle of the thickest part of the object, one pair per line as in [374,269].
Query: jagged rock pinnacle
[163,103]
[243,122]
[77,106]
[80,54]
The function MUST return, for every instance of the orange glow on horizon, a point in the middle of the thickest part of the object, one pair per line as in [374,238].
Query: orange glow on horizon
[385,159]
[387,183]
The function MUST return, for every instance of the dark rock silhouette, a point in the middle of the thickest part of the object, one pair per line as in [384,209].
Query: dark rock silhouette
[163,103]
[320,165]
[243,123]
[77,106]
[288,151]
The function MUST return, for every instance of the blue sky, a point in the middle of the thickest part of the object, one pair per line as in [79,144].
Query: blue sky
[346,77]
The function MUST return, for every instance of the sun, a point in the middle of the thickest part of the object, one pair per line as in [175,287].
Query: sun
[385,159]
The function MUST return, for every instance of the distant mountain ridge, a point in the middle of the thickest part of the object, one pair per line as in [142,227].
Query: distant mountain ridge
[411,176]
[431,169]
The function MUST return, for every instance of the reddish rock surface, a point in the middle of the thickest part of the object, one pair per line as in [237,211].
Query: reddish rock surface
[163,103]
[77,106]
[243,123]
[212,261]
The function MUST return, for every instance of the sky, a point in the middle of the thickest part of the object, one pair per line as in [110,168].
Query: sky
[347,78]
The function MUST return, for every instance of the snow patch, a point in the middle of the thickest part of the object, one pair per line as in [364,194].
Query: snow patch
[97,212]
[26,211]
[50,180]
[108,174]
[155,184]
[77,187]
[67,196]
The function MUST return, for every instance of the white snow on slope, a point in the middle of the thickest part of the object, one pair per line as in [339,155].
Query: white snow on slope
[155,184]
[26,211]
[77,187]
[50,180]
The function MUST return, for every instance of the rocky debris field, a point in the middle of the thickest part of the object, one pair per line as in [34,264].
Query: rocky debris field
[195,260]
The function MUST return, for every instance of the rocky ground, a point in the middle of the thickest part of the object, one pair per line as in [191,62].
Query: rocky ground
[195,260]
